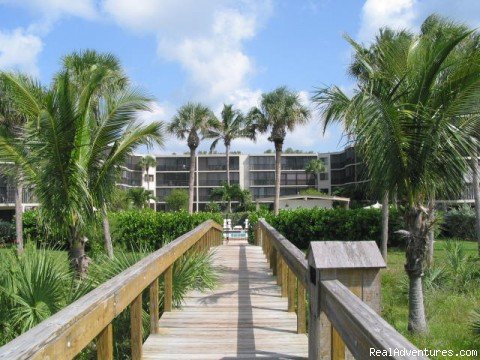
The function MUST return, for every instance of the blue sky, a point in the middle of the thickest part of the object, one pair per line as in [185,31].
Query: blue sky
[214,51]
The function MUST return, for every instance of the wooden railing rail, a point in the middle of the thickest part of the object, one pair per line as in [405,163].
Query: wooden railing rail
[360,327]
[343,294]
[66,333]
[288,263]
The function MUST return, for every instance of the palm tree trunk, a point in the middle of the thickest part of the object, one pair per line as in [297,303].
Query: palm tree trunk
[385,212]
[78,259]
[19,216]
[476,195]
[278,175]
[107,236]
[191,181]
[416,222]
[416,311]
[227,154]
[431,233]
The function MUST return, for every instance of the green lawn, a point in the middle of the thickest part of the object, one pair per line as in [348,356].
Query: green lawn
[448,312]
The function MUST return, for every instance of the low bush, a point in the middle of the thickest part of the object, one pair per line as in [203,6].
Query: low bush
[7,232]
[459,223]
[149,229]
[301,226]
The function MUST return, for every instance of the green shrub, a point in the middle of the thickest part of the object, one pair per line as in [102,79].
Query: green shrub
[149,229]
[459,223]
[7,232]
[301,226]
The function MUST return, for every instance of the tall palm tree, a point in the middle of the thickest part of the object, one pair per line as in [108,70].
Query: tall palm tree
[233,125]
[191,120]
[12,123]
[414,137]
[146,163]
[112,93]
[280,111]
[69,155]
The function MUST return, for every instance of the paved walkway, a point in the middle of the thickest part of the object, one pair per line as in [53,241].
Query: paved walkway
[243,318]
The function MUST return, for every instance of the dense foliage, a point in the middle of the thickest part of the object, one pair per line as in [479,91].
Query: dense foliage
[38,283]
[7,232]
[459,223]
[134,229]
[301,226]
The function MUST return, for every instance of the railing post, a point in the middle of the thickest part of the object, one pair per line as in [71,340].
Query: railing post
[292,282]
[105,344]
[284,277]
[301,305]
[154,308]
[273,260]
[136,328]
[279,268]
[357,265]
[168,280]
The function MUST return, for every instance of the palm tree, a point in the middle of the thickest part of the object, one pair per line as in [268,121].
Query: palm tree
[233,125]
[191,120]
[315,167]
[71,156]
[476,195]
[139,197]
[414,133]
[146,163]
[280,111]
[114,91]
[12,123]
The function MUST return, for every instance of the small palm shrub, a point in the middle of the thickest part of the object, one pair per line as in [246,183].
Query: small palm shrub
[463,270]
[33,286]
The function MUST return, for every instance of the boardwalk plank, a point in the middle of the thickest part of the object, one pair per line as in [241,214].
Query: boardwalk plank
[245,317]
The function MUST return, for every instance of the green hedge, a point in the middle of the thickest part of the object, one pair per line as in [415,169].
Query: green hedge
[136,229]
[301,226]
[459,223]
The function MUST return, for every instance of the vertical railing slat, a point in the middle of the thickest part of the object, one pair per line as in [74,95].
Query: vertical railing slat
[154,308]
[168,282]
[136,336]
[105,344]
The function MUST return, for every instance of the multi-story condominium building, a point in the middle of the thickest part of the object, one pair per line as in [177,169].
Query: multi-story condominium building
[253,172]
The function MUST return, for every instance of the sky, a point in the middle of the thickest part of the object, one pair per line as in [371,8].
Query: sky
[215,51]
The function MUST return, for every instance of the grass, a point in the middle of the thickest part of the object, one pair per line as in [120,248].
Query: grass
[449,314]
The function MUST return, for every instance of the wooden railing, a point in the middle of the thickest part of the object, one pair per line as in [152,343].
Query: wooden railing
[347,320]
[289,265]
[66,333]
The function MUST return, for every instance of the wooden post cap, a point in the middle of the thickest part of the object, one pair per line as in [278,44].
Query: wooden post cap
[344,255]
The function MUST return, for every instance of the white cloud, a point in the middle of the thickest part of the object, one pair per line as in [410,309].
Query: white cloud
[47,12]
[397,14]
[409,14]
[19,51]
[19,48]
[206,38]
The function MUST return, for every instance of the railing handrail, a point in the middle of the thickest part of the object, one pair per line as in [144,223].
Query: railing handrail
[360,327]
[66,333]
[292,255]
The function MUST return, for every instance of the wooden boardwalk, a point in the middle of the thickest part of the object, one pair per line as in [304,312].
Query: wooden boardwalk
[243,318]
